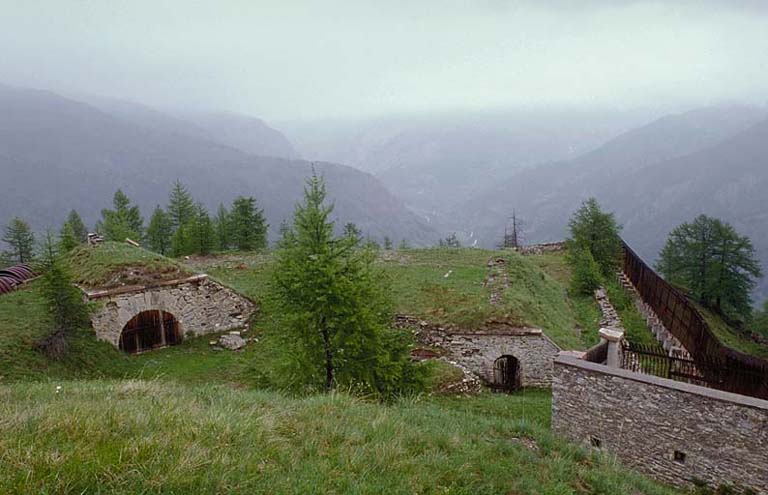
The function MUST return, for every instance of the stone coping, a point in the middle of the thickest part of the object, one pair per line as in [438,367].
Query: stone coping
[97,294]
[567,359]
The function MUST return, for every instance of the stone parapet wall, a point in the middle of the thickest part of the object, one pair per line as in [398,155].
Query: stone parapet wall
[200,305]
[671,431]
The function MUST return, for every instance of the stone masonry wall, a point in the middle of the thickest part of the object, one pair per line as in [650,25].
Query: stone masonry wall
[477,351]
[720,437]
[201,306]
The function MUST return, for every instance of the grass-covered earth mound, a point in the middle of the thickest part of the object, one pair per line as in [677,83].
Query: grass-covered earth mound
[117,264]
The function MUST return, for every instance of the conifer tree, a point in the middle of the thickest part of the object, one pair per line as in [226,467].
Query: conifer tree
[79,229]
[716,264]
[351,230]
[387,243]
[159,232]
[332,302]
[123,221]
[181,207]
[21,241]
[587,276]
[221,225]
[248,226]
[597,231]
[67,239]
[202,237]
[68,310]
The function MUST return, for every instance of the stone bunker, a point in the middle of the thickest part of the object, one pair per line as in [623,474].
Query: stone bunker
[139,318]
[503,356]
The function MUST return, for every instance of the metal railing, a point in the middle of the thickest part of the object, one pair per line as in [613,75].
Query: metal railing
[654,360]
[683,320]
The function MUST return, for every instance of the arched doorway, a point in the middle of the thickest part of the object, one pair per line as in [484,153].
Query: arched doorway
[149,330]
[506,374]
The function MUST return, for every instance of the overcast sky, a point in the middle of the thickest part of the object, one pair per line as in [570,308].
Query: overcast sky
[289,59]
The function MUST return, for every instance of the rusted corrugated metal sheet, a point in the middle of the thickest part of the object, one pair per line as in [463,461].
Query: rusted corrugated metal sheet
[12,277]
[7,284]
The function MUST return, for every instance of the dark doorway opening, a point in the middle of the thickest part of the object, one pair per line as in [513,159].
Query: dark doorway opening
[506,374]
[150,330]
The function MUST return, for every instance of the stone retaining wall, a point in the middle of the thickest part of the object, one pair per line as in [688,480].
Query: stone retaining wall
[671,431]
[199,304]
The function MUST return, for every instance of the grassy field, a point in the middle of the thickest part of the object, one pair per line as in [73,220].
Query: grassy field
[157,437]
[191,419]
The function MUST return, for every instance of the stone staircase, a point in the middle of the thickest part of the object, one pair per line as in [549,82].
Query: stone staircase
[668,341]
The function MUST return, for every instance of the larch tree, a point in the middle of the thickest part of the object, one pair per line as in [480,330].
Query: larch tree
[181,206]
[716,264]
[123,221]
[159,231]
[337,311]
[248,227]
[597,231]
[20,240]
[221,225]
[68,310]
[79,230]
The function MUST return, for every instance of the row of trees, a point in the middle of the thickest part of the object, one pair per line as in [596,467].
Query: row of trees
[712,262]
[184,227]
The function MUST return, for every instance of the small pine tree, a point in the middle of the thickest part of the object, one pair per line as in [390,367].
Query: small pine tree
[248,225]
[221,225]
[202,237]
[331,299]
[387,243]
[587,276]
[123,221]
[597,231]
[159,232]
[404,246]
[21,241]
[67,239]
[181,206]
[66,305]
[351,230]
[181,244]
[79,229]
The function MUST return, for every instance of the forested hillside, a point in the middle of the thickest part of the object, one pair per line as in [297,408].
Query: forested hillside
[57,154]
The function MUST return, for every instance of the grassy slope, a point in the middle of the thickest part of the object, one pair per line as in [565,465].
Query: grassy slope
[732,337]
[150,436]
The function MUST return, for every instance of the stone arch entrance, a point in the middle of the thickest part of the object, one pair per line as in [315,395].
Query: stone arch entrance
[506,374]
[150,330]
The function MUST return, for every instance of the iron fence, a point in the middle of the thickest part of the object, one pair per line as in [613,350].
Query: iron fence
[683,320]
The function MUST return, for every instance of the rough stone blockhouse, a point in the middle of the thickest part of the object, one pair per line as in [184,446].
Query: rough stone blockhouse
[143,317]
[505,357]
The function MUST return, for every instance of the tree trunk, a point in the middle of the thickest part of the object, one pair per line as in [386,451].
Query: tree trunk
[328,356]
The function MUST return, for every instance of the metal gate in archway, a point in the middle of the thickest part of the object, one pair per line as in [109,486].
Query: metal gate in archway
[150,330]
[506,374]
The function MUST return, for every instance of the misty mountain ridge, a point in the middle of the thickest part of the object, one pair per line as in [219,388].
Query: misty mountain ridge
[60,154]
[655,177]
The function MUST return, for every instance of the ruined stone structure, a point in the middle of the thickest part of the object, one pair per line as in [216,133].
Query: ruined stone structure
[192,306]
[501,355]
[672,431]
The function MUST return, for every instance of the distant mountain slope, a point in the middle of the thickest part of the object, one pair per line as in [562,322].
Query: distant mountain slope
[435,161]
[711,161]
[244,133]
[57,154]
